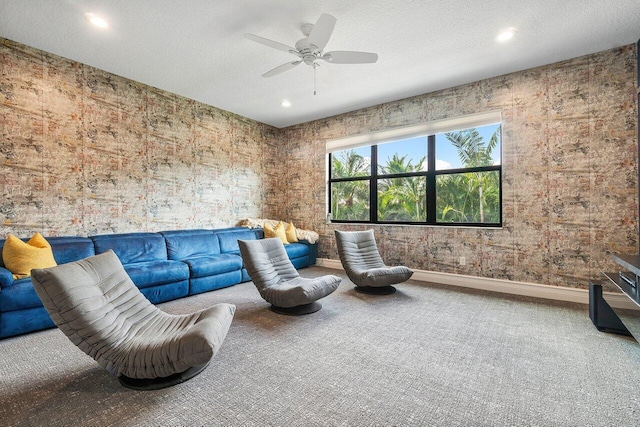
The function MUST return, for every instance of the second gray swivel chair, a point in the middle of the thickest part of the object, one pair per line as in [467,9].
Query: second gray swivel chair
[96,305]
[363,264]
[278,281]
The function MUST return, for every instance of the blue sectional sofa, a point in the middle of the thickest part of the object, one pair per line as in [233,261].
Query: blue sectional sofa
[164,266]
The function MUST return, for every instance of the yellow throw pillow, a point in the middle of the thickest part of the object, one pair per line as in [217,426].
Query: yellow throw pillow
[268,231]
[278,231]
[291,233]
[20,257]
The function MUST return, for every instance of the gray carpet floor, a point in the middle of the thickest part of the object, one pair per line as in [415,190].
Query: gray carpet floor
[426,355]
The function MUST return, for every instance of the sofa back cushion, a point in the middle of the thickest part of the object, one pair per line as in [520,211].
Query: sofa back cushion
[69,249]
[189,244]
[132,247]
[229,238]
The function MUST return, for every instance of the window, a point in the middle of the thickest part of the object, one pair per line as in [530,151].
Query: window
[440,173]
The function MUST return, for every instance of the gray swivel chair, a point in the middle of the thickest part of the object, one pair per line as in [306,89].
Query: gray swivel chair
[361,260]
[278,281]
[97,306]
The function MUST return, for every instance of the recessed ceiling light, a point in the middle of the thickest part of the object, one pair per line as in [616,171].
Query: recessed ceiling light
[96,20]
[506,35]
[285,103]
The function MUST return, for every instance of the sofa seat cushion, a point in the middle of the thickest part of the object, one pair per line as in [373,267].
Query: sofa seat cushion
[212,265]
[297,250]
[18,296]
[152,273]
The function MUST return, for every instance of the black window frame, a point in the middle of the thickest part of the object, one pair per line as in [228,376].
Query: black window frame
[431,175]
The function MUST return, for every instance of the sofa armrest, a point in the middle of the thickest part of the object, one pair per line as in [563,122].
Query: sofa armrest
[313,251]
[6,277]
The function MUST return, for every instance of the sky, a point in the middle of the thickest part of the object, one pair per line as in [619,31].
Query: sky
[416,148]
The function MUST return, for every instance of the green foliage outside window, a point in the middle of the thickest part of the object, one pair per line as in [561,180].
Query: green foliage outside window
[402,199]
[472,197]
[350,200]
[461,196]
[468,198]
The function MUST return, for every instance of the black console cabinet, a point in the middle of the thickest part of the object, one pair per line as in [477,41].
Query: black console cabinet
[606,318]
[601,314]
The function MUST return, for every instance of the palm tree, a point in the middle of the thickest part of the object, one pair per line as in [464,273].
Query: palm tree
[472,149]
[349,199]
[484,187]
[401,199]
[348,163]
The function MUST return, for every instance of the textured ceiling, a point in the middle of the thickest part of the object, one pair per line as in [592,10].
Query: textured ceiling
[195,48]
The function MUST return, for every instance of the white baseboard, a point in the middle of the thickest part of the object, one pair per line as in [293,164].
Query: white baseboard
[537,290]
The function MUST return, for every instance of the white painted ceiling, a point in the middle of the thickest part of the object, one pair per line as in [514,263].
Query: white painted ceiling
[195,48]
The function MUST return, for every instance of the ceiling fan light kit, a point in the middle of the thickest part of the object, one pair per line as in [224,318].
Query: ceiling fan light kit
[310,48]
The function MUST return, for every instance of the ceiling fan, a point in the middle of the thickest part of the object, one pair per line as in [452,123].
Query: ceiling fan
[310,48]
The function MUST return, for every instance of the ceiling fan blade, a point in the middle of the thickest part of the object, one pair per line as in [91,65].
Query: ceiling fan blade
[268,42]
[322,31]
[349,57]
[281,68]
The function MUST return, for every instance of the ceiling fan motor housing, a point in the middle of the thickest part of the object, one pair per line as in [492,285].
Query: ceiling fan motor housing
[304,47]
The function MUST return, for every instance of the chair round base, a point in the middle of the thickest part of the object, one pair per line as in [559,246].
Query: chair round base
[375,290]
[162,382]
[298,310]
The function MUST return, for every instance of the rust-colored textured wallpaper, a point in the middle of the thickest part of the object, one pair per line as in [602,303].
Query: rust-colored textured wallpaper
[569,173]
[87,152]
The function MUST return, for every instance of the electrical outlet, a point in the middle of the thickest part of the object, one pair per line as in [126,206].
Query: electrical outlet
[462,261]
